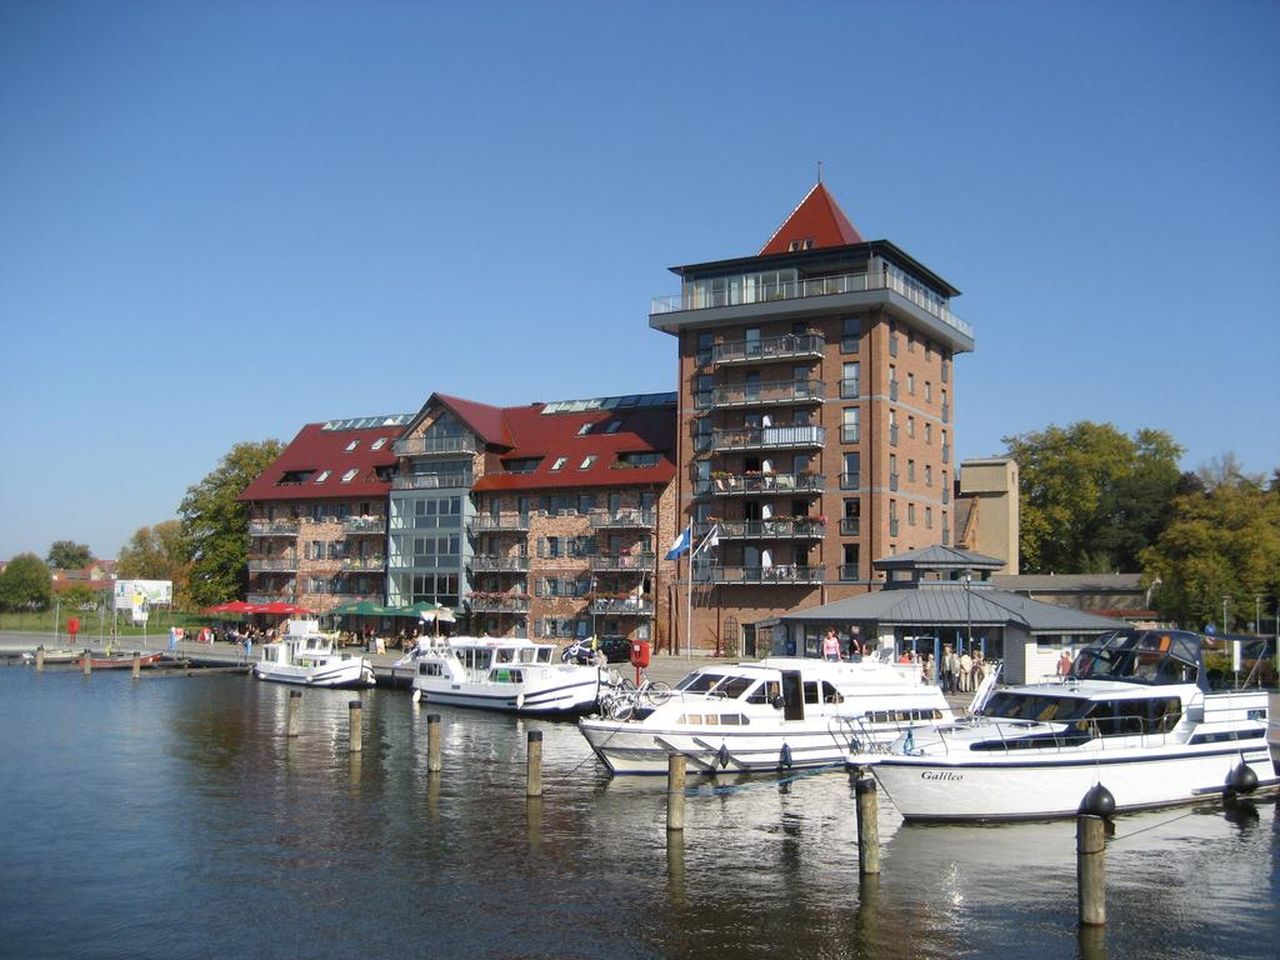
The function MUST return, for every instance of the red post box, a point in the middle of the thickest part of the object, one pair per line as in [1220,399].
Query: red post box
[639,653]
[73,626]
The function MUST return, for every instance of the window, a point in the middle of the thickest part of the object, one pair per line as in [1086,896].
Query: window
[911,383]
[378,444]
[849,425]
[928,433]
[928,391]
[851,478]
[928,475]
[613,426]
[850,334]
[559,462]
[911,514]
[584,429]
[350,475]
[911,470]
[645,459]
[928,518]
[323,476]
[352,445]
[706,342]
[911,427]
[587,461]
[849,381]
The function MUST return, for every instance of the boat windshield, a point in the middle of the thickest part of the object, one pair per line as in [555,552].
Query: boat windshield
[1141,656]
[1009,705]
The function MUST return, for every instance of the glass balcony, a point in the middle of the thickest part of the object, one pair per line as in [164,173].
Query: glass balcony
[783,574]
[622,562]
[787,347]
[431,481]
[430,446]
[364,563]
[777,393]
[767,438]
[767,484]
[499,604]
[772,529]
[635,519]
[503,523]
[274,565]
[273,528]
[623,607]
[376,525]
[491,564]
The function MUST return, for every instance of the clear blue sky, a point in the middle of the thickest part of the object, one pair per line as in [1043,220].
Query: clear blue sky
[220,221]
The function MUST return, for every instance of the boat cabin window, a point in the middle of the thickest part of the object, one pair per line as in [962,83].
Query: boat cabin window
[731,688]
[811,691]
[527,654]
[1141,656]
[506,675]
[1008,705]
[504,655]
[544,655]
[474,659]
[430,669]
[766,692]
[1110,718]
[699,682]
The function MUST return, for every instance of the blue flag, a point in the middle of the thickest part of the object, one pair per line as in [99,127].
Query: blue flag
[681,543]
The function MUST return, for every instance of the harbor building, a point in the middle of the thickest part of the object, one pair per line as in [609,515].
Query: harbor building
[815,420]
[540,520]
[318,515]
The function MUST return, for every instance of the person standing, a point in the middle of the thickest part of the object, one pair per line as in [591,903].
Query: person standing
[1064,663]
[966,671]
[950,664]
[831,646]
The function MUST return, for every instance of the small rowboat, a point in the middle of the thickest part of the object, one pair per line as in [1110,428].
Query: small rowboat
[123,661]
[56,656]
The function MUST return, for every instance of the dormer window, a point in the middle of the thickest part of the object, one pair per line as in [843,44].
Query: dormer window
[350,475]
[797,245]
[378,444]
[613,426]
[559,462]
[352,445]
[587,462]
[584,429]
[323,476]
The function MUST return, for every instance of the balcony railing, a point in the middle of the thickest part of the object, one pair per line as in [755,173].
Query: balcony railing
[622,562]
[365,525]
[767,438]
[623,519]
[274,565]
[485,564]
[848,571]
[499,604]
[787,347]
[431,481]
[504,523]
[428,446]
[265,598]
[273,528]
[628,607]
[850,481]
[767,483]
[850,526]
[734,294]
[772,530]
[783,574]
[364,563]
[769,394]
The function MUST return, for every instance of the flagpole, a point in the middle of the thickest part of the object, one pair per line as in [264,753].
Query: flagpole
[688,600]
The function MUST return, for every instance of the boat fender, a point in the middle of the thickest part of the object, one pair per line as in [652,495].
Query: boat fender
[417,696]
[723,755]
[785,758]
[1098,802]
[1242,780]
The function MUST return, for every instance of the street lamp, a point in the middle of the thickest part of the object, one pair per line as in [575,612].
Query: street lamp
[968,614]
[1224,614]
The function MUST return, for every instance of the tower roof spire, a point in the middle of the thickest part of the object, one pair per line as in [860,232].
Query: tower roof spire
[817,221]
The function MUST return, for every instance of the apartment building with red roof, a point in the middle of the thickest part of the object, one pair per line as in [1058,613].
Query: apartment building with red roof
[318,515]
[541,520]
[816,402]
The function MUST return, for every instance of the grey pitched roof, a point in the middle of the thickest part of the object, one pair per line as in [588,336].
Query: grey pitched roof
[1070,582]
[939,557]
[936,604]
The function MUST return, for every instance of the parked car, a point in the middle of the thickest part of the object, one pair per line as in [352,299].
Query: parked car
[617,649]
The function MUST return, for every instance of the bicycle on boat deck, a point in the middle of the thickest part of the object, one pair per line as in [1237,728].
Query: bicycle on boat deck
[621,699]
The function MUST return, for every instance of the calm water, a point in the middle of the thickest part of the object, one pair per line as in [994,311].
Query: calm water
[171,818]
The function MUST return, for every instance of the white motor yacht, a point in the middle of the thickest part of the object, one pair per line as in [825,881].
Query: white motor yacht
[305,656]
[501,673]
[773,714]
[1135,715]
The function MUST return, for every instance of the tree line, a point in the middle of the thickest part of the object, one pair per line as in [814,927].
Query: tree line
[1092,500]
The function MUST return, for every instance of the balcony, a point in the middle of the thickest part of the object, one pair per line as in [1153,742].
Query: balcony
[433,446]
[767,484]
[768,438]
[431,481]
[788,347]
[772,529]
[274,565]
[371,564]
[881,285]
[498,604]
[776,393]
[504,523]
[357,525]
[623,607]
[783,574]
[273,528]
[623,562]
[623,520]
[264,598]
[490,564]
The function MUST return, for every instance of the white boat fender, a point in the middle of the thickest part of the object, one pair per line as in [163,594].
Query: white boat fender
[417,696]
[1242,780]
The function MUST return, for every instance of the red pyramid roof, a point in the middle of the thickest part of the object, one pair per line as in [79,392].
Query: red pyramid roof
[818,218]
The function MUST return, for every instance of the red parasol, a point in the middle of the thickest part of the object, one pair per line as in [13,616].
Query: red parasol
[232,606]
[280,607]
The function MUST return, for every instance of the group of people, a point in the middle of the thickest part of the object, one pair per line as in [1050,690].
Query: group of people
[962,671]
[832,649]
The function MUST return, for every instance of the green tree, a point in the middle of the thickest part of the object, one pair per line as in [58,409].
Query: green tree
[69,555]
[158,553]
[26,584]
[215,525]
[1091,497]
[1223,541]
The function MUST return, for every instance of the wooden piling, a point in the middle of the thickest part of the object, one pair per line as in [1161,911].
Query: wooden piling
[868,826]
[292,720]
[533,765]
[675,792]
[1091,869]
[355,711]
[433,743]
[39,659]
[86,663]
[137,665]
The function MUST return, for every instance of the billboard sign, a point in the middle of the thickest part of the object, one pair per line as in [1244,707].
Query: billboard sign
[139,596]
